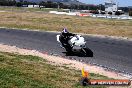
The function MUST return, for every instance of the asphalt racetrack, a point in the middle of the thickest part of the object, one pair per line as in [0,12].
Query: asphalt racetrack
[112,53]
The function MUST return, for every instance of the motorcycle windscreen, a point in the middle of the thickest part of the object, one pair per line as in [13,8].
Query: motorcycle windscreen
[77,41]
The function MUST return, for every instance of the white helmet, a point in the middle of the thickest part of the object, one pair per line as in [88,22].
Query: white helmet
[65,30]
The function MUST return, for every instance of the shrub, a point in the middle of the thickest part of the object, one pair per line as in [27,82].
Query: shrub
[117,13]
[110,13]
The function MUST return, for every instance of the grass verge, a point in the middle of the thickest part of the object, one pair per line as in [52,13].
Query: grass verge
[19,71]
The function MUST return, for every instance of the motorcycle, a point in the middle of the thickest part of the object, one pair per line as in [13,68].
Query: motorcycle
[77,45]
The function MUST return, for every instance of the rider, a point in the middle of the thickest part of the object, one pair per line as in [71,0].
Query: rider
[65,36]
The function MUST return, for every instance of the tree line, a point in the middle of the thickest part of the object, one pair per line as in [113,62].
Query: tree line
[7,2]
[49,4]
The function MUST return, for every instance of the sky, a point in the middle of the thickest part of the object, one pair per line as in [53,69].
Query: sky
[121,2]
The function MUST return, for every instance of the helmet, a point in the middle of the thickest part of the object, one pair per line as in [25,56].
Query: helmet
[65,30]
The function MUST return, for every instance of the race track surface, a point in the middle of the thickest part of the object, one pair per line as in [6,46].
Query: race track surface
[111,53]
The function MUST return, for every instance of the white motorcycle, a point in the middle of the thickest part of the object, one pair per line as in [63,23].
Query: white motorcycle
[77,45]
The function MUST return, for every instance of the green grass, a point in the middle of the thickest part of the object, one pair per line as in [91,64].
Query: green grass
[19,71]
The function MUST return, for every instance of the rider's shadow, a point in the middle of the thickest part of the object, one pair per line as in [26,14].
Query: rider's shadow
[89,53]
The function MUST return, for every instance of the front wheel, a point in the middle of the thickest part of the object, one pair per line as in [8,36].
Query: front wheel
[86,52]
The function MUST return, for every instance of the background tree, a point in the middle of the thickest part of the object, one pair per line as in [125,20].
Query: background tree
[7,2]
